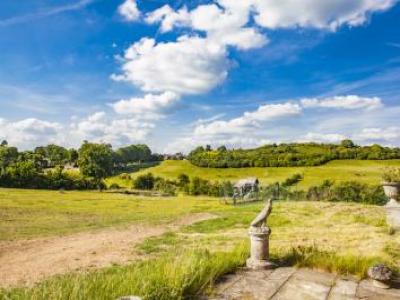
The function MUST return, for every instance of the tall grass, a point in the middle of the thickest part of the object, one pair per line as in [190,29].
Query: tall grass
[345,264]
[173,276]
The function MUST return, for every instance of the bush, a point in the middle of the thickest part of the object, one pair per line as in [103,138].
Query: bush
[114,186]
[391,175]
[295,179]
[144,182]
[350,191]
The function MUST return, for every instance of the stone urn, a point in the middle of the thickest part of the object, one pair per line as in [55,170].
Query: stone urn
[392,192]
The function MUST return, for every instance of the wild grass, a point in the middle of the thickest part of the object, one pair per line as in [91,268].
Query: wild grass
[181,275]
[340,170]
[35,213]
[340,237]
[345,264]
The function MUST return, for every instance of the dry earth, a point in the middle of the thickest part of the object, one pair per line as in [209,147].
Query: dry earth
[26,262]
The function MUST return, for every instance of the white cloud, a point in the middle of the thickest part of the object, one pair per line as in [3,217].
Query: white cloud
[129,10]
[322,137]
[327,14]
[169,18]
[389,135]
[344,102]
[248,121]
[191,65]
[151,107]
[98,127]
[28,132]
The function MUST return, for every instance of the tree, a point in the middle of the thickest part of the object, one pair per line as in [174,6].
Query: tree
[144,182]
[73,156]
[4,143]
[95,160]
[8,155]
[347,144]
[183,180]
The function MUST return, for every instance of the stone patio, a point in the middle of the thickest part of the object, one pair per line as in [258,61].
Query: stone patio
[297,284]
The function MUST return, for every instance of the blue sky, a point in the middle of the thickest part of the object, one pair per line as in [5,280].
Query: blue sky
[176,74]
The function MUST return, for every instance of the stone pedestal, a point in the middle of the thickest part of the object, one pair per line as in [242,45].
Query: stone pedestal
[259,253]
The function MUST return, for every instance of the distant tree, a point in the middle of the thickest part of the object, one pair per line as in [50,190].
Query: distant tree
[4,143]
[222,149]
[183,180]
[8,155]
[73,156]
[208,148]
[95,160]
[144,182]
[347,144]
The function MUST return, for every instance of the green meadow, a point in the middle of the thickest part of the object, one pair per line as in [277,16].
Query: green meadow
[365,171]
[340,237]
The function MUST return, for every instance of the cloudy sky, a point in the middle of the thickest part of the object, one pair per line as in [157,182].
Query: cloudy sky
[176,74]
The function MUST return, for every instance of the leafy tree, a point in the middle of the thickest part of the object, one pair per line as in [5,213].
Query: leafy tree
[95,160]
[144,182]
[183,180]
[8,155]
[4,143]
[347,144]
[73,156]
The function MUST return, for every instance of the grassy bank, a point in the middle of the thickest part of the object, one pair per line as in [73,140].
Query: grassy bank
[341,170]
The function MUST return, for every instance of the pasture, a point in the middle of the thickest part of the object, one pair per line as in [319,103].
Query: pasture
[365,171]
[179,258]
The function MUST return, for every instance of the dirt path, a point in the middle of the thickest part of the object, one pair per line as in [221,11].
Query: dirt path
[28,261]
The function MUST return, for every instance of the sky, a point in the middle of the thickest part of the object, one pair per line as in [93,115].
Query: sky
[178,74]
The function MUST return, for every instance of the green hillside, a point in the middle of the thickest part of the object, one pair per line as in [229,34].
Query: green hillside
[288,155]
[366,171]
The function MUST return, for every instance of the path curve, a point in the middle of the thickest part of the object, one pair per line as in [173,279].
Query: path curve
[26,262]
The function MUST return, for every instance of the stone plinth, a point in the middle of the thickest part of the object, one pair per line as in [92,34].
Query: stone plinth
[259,253]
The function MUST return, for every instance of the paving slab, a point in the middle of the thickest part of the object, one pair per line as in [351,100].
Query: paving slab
[366,290]
[298,284]
[306,285]
[343,290]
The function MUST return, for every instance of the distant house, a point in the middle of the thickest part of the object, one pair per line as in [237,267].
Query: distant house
[246,185]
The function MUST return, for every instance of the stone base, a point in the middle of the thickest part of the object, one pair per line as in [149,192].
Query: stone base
[393,203]
[260,264]
[380,284]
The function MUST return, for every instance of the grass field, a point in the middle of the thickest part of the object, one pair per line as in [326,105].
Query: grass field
[339,237]
[366,171]
[33,213]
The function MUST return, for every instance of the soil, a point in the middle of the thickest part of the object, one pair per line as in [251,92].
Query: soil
[25,262]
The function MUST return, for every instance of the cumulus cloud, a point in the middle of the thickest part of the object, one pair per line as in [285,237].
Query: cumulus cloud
[389,135]
[191,65]
[327,14]
[152,107]
[249,120]
[344,102]
[169,17]
[98,127]
[28,132]
[322,137]
[129,10]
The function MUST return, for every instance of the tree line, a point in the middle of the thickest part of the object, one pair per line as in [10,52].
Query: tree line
[288,155]
[45,166]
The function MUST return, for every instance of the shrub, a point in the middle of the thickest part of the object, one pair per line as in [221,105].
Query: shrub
[114,186]
[295,179]
[144,182]
[391,175]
